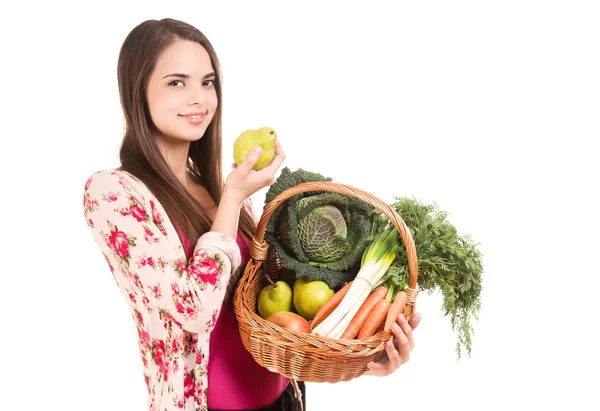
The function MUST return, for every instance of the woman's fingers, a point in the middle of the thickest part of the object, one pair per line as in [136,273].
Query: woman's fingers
[267,171]
[394,358]
[250,160]
[277,160]
[406,330]
[375,366]
[414,320]
[404,345]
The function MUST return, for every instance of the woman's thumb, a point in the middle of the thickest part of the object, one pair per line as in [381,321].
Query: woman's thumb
[252,158]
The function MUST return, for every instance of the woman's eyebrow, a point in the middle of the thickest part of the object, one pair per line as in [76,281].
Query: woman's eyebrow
[180,75]
[187,76]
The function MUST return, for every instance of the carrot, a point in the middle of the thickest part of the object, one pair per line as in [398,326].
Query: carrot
[395,310]
[375,318]
[330,305]
[362,313]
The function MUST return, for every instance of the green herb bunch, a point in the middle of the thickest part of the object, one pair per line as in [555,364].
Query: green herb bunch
[448,262]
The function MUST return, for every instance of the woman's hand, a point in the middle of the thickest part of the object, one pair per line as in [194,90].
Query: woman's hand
[243,181]
[403,333]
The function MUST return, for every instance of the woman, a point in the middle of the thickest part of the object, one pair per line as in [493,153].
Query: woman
[175,235]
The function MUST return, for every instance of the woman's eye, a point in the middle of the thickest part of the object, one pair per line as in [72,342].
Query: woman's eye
[175,83]
[208,83]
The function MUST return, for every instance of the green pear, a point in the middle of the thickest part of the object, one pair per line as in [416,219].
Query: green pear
[274,298]
[265,137]
[309,297]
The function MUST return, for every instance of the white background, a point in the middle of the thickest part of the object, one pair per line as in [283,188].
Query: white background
[490,109]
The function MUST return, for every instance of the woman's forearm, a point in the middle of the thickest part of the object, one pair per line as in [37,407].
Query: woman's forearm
[228,214]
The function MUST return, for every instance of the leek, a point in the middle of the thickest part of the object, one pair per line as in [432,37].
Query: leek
[375,262]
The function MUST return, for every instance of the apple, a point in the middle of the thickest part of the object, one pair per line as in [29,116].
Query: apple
[290,321]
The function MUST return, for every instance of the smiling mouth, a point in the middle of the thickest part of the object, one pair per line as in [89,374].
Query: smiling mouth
[195,118]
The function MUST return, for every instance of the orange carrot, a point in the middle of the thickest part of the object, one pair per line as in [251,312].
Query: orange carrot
[396,308]
[375,318]
[362,313]
[330,305]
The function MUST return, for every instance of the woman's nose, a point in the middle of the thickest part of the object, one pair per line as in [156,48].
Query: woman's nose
[197,96]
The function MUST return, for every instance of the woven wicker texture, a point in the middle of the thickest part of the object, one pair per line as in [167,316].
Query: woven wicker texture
[301,356]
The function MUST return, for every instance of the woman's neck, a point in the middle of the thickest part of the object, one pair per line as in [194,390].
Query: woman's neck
[176,155]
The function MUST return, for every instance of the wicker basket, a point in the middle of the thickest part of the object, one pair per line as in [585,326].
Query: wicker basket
[301,356]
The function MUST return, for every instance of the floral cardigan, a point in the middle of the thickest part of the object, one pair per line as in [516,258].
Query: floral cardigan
[174,302]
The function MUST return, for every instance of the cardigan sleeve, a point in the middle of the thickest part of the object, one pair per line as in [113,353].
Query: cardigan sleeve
[131,234]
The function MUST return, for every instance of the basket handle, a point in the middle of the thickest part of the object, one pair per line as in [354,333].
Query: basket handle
[259,248]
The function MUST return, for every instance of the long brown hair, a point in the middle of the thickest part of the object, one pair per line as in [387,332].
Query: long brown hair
[139,153]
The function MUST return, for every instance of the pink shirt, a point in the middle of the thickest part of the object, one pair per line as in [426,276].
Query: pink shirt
[235,380]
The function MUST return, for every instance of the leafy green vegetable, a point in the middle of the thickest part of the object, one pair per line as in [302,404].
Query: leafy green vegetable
[323,234]
[448,262]
[319,235]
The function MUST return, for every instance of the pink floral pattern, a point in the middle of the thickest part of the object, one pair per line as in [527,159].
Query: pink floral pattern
[174,302]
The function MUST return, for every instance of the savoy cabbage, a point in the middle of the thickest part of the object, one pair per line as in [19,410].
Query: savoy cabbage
[319,235]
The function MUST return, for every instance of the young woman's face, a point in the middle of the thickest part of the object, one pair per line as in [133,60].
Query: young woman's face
[181,95]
